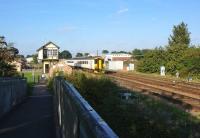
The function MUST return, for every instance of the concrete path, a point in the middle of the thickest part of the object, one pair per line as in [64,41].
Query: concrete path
[32,119]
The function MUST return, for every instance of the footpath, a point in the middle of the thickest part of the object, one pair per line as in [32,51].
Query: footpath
[34,118]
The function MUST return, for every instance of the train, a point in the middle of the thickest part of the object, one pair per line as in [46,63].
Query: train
[95,64]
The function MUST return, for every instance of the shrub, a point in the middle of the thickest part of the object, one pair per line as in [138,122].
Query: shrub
[143,117]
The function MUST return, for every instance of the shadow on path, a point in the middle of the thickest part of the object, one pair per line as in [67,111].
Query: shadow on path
[32,119]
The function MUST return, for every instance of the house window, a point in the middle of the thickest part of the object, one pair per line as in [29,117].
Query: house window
[52,52]
[49,53]
[55,52]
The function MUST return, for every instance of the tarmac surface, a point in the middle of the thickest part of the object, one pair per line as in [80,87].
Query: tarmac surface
[34,118]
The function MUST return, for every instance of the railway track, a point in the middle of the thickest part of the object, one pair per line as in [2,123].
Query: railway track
[188,95]
[176,85]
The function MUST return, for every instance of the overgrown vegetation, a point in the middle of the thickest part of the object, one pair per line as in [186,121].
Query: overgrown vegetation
[143,117]
[177,56]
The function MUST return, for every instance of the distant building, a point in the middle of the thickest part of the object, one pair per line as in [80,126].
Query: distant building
[29,59]
[18,65]
[118,57]
[48,55]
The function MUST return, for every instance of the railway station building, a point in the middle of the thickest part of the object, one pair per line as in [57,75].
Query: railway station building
[117,57]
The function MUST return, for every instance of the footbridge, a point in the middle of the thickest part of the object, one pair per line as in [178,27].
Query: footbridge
[65,114]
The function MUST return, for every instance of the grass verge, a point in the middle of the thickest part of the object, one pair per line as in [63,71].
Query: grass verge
[31,81]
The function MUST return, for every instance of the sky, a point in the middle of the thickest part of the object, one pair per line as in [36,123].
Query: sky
[91,25]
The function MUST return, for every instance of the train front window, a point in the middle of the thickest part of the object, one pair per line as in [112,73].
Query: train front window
[96,61]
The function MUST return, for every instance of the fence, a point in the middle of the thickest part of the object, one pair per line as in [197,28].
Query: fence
[77,119]
[12,92]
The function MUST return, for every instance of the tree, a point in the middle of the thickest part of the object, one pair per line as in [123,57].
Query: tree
[137,54]
[65,54]
[28,56]
[35,60]
[105,51]
[7,56]
[119,52]
[180,35]
[152,60]
[191,62]
[86,54]
[174,56]
[2,42]
[79,54]
[179,42]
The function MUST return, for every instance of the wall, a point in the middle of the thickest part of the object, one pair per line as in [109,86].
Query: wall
[12,92]
[40,54]
[115,65]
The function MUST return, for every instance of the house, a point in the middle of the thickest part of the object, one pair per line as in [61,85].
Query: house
[48,55]
[18,65]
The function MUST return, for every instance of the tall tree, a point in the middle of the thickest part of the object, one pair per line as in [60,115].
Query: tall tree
[180,35]
[179,42]
[65,54]
[105,51]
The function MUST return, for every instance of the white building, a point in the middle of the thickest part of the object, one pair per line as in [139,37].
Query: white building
[48,55]
[117,57]
[29,59]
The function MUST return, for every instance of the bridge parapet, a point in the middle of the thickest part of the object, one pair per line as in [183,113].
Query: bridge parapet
[77,119]
[12,92]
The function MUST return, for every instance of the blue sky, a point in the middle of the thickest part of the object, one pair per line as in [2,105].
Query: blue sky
[91,25]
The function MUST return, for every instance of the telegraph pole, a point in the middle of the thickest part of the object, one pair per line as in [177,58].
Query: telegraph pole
[97,53]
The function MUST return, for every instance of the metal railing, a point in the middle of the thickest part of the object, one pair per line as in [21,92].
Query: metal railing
[12,92]
[77,119]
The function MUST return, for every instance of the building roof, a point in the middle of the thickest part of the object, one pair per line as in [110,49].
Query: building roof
[48,44]
[84,58]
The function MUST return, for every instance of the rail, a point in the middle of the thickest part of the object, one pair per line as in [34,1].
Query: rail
[77,119]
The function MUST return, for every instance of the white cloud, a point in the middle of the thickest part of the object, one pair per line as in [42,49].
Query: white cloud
[122,11]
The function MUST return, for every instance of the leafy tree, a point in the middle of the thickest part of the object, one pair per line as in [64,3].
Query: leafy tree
[191,62]
[137,54]
[28,56]
[35,60]
[2,42]
[86,54]
[172,56]
[79,54]
[152,60]
[180,35]
[65,54]
[118,52]
[105,51]
[179,42]
[7,56]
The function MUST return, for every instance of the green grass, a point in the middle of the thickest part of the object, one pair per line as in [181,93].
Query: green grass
[30,81]
[29,76]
